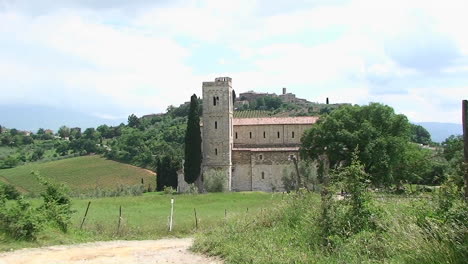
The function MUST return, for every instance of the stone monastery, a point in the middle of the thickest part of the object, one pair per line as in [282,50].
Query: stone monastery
[251,153]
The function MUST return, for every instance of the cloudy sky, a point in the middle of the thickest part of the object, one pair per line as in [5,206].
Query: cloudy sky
[112,58]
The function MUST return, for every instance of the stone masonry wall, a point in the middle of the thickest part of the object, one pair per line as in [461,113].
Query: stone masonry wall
[264,135]
[260,171]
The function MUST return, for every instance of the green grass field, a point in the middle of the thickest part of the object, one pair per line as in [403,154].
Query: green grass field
[146,217]
[80,173]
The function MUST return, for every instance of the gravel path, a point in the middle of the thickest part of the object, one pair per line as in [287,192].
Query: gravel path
[125,252]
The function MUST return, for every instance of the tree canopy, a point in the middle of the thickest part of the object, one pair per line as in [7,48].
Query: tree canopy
[193,155]
[379,135]
[420,135]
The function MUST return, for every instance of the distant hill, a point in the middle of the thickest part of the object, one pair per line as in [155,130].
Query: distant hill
[80,173]
[33,117]
[441,131]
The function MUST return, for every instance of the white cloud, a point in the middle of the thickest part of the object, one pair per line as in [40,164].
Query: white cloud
[112,63]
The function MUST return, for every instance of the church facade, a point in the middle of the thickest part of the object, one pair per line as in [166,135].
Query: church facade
[250,153]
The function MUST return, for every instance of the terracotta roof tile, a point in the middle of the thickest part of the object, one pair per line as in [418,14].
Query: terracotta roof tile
[267,149]
[300,120]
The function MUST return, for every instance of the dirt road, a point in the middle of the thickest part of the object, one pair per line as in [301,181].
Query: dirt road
[113,252]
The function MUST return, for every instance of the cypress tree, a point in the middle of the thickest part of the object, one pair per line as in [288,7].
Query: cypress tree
[193,155]
[159,176]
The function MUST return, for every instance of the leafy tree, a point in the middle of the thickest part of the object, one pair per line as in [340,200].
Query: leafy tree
[420,135]
[90,133]
[40,131]
[14,132]
[75,132]
[133,121]
[83,146]
[19,220]
[193,154]
[453,153]
[62,147]
[37,154]
[64,132]
[260,103]
[10,162]
[6,140]
[105,131]
[166,173]
[9,191]
[273,103]
[375,130]
[452,145]
[27,140]
[57,203]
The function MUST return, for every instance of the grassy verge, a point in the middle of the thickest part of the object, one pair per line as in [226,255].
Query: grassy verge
[146,217]
[290,233]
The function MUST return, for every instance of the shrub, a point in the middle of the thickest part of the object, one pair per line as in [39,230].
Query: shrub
[9,191]
[214,181]
[169,190]
[19,220]
[57,204]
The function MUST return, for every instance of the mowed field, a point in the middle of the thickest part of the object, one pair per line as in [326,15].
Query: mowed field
[79,174]
[146,216]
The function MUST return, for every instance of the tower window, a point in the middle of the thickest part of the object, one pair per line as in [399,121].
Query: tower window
[278,134]
[216,124]
[216,151]
[214,100]
[264,134]
[236,135]
[263,175]
[261,156]
[292,134]
[250,134]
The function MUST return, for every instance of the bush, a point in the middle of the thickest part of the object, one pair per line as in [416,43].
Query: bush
[57,204]
[19,220]
[9,191]
[121,190]
[214,181]
[169,190]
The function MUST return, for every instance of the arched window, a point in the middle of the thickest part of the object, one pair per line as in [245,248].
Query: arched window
[264,134]
[236,135]
[263,175]
[216,151]
[214,100]
[216,124]
[250,134]
[278,134]
[261,157]
[292,134]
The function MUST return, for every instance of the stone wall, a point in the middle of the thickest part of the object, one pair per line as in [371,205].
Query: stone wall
[217,126]
[265,135]
[260,170]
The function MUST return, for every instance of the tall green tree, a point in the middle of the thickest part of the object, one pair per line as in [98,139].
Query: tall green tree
[193,154]
[166,173]
[133,121]
[64,131]
[420,135]
[379,135]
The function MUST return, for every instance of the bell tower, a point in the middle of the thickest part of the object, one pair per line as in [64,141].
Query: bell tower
[217,129]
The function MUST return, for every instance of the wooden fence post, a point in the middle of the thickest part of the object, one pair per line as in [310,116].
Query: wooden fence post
[196,219]
[172,213]
[465,144]
[84,217]
[120,219]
